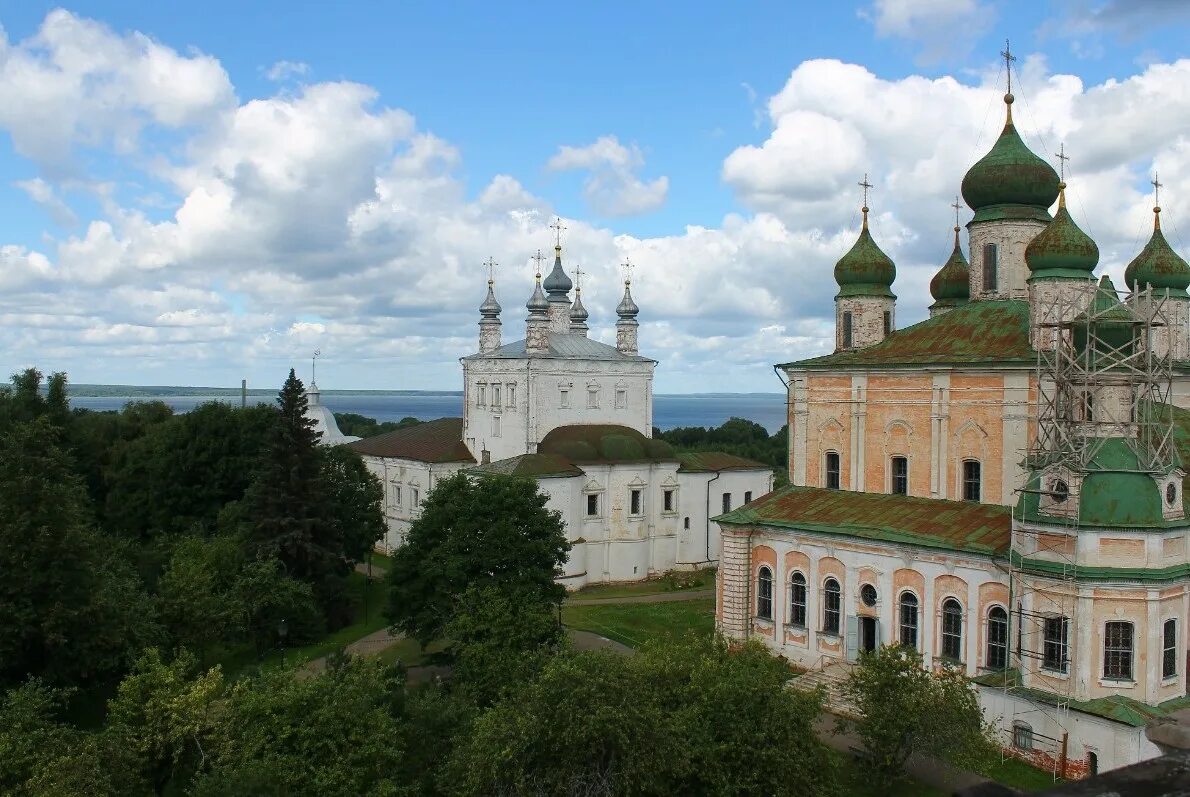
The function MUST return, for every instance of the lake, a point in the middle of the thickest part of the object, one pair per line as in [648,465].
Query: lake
[669,410]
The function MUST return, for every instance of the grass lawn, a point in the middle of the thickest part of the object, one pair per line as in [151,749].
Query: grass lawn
[635,623]
[381,561]
[699,579]
[409,652]
[1016,773]
[856,782]
[242,660]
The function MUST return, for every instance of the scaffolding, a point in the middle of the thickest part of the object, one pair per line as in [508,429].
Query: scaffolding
[1099,376]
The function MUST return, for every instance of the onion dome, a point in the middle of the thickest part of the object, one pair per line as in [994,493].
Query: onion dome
[865,270]
[952,284]
[537,304]
[557,284]
[490,307]
[1062,249]
[1158,265]
[1114,326]
[627,308]
[1010,181]
[578,313]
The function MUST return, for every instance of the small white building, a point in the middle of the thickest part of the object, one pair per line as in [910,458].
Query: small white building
[576,415]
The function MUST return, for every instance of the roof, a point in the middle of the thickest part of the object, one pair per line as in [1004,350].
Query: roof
[604,443]
[925,522]
[865,270]
[562,345]
[1010,181]
[991,332]
[325,424]
[432,441]
[540,466]
[707,461]
[1119,708]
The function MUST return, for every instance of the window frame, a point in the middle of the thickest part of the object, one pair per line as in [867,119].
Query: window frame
[848,329]
[1118,658]
[887,323]
[636,502]
[828,471]
[991,270]
[1055,651]
[726,503]
[952,630]
[1022,735]
[797,599]
[593,497]
[894,476]
[764,593]
[1169,649]
[908,626]
[747,496]
[832,606]
[968,481]
[621,398]
[996,653]
[668,500]
[563,398]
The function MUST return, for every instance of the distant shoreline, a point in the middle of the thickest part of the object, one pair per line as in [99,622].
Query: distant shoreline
[150,391]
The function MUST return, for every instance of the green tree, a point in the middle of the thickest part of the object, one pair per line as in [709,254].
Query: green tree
[26,401]
[906,709]
[690,718]
[198,597]
[351,423]
[357,500]
[492,532]
[265,596]
[72,609]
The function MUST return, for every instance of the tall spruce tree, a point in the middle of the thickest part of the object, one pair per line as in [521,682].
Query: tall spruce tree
[289,506]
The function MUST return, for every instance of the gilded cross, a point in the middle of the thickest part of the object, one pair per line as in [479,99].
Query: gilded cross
[557,227]
[491,267]
[957,206]
[1008,57]
[578,278]
[865,185]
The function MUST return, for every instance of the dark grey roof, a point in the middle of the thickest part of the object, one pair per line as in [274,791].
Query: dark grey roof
[562,346]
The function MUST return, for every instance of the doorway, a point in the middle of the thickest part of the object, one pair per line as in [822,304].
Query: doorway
[868,636]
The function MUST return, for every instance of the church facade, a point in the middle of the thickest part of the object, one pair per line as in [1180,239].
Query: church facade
[575,415]
[999,487]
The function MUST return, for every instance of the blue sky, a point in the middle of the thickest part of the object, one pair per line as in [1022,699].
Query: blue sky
[700,110]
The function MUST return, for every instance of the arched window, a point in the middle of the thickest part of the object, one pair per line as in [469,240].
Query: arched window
[900,475]
[972,480]
[997,655]
[831,600]
[990,267]
[1169,649]
[1059,491]
[832,470]
[764,594]
[1022,736]
[952,630]
[797,600]
[847,329]
[908,618]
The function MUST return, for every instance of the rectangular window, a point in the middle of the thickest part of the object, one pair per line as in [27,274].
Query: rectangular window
[414,498]
[1169,649]
[748,497]
[593,505]
[997,655]
[621,399]
[635,502]
[847,329]
[592,398]
[832,470]
[510,394]
[495,426]
[396,496]
[1022,736]
[667,499]
[1117,651]
[797,601]
[972,478]
[481,395]
[900,476]
[564,399]
[887,323]
[1054,641]
[727,502]
[989,267]
[496,396]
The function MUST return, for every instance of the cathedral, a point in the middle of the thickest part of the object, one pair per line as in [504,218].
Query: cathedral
[575,415]
[999,487]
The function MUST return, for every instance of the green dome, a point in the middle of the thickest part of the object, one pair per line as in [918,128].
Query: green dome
[1062,249]
[1158,265]
[865,270]
[1114,325]
[952,284]
[1010,181]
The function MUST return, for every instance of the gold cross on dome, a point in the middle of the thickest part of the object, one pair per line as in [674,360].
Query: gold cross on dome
[957,207]
[538,257]
[865,185]
[1062,158]
[558,227]
[491,264]
[1008,57]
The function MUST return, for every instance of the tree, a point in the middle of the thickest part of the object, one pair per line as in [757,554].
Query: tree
[488,532]
[690,718]
[357,500]
[289,505]
[265,596]
[351,423]
[197,594]
[906,709]
[72,609]
[24,400]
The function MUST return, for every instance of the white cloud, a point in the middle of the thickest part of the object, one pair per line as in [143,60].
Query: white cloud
[940,27]
[286,70]
[47,197]
[612,187]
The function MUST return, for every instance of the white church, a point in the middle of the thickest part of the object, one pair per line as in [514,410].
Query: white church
[576,415]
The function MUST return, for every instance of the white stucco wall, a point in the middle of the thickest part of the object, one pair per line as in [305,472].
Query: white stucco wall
[401,478]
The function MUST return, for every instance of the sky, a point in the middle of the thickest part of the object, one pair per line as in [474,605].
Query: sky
[198,193]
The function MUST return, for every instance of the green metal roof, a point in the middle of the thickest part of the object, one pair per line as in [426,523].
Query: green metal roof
[924,522]
[1062,249]
[432,441]
[865,270]
[952,284]
[707,461]
[983,332]
[1158,265]
[1010,181]
[604,443]
[1118,708]
[538,466]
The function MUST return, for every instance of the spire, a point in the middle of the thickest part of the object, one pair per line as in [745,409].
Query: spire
[537,324]
[537,304]
[1158,266]
[1062,250]
[951,286]
[490,307]
[578,313]
[626,326]
[489,311]
[627,307]
[865,270]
